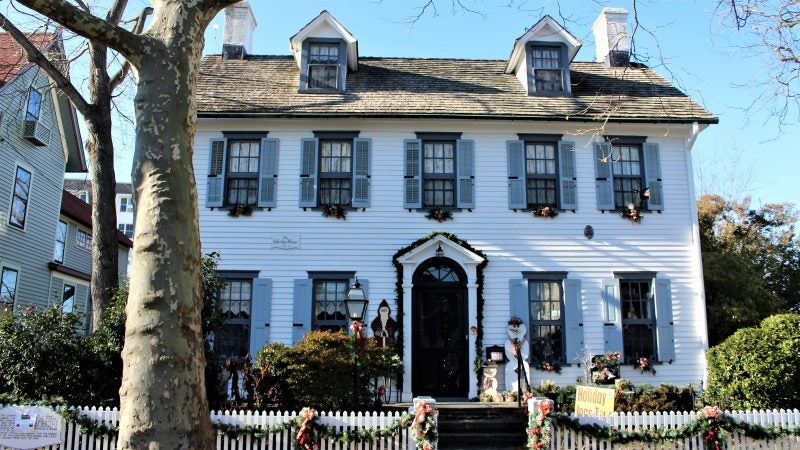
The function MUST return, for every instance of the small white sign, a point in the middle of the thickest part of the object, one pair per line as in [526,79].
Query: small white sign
[285,241]
[30,427]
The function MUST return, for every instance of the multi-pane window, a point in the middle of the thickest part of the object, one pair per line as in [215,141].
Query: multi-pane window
[34,105]
[8,290]
[68,299]
[335,175]
[126,229]
[323,65]
[232,338]
[242,175]
[541,175]
[628,180]
[125,204]
[547,320]
[439,174]
[19,200]
[328,305]
[547,69]
[638,320]
[61,242]
[83,241]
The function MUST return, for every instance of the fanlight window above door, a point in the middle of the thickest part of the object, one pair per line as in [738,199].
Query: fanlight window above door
[441,273]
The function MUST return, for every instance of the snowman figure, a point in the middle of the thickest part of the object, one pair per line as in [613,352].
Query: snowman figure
[517,343]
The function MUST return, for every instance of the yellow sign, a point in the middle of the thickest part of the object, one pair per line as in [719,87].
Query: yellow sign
[593,401]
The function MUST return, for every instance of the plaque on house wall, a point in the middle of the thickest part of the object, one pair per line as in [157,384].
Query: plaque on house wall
[29,427]
[284,241]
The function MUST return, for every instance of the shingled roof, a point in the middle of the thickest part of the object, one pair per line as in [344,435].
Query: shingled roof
[442,88]
[12,57]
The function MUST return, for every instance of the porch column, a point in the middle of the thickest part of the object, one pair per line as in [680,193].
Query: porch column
[408,272]
[472,320]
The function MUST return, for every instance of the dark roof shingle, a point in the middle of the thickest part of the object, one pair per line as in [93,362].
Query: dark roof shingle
[411,87]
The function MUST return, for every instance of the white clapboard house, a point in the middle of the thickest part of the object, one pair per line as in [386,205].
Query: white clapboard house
[434,182]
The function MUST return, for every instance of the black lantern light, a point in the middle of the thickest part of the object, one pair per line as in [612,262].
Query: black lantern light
[356,302]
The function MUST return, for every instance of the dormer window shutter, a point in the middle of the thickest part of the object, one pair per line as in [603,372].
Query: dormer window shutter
[308,172]
[568,184]
[652,172]
[361,172]
[215,192]
[465,173]
[412,173]
[268,173]
[516,175]
[604,182]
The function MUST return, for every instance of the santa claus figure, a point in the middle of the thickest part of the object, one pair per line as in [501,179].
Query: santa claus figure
[383,326]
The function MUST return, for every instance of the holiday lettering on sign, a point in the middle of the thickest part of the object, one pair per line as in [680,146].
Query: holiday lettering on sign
[593,401]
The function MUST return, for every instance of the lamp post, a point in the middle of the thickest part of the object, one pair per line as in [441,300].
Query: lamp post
[356,306]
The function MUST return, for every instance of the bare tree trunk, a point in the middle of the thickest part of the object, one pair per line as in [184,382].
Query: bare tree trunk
[163,400]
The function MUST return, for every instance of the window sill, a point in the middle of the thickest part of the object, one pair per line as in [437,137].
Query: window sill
[321,91]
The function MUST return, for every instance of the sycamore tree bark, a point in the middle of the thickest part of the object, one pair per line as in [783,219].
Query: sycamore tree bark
[96,112]
[163,401]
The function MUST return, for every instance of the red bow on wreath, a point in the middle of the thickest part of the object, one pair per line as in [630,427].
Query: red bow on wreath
[357,327]
[304,437]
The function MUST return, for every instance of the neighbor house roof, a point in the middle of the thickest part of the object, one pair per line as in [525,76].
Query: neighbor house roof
[442,88]
[74,185]
[80,211]
[12,58]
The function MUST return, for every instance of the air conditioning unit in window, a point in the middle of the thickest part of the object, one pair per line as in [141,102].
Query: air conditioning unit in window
[35,132]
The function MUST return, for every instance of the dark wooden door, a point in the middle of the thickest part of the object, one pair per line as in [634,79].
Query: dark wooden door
[439,341]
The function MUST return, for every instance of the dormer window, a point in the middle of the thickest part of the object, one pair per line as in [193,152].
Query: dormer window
[548,70]
[324,67]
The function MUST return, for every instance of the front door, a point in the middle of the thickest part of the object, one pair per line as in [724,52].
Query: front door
[439,337]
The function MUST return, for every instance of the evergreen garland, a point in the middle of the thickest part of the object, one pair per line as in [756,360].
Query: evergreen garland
[478,363]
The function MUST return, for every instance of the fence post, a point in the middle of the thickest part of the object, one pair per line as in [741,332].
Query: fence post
[418,403]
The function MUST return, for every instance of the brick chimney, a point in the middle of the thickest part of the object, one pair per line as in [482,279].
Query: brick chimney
[611,37]
[237,36]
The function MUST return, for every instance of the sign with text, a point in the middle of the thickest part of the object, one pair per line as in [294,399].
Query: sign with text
[593,401]
[284,241]
[29,427]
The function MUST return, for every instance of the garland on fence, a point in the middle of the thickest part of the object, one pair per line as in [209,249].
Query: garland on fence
[424,427]
[540,426]
[710,422]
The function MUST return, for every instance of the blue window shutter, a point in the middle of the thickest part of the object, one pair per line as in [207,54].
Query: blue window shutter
[604,182]
[308,172]
[215,193]
[573,320]
[304,66]
[259,321]
[412,195]
[342,66]
[361,172]
[652,170]
[268,173]
[516,175]
[612,318]
[664,327]
[567,176]
[465,173]
[302,308]
[519,300]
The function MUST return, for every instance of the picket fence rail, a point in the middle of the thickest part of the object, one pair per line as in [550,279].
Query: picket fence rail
[340,421]
[566,439]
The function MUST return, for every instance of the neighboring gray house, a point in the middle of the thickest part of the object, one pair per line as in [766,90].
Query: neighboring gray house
[123,201]
[71,265]
[39,141]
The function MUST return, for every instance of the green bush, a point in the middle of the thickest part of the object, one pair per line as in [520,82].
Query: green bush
[41,355]
[319,372]
[627,398]
[757,368]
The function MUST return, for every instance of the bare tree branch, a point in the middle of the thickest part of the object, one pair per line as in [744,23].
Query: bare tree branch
[37,57]
[119,77]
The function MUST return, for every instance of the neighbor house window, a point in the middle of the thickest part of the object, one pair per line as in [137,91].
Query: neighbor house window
[126,229]
[61,242]
[20,198]
[439,174]
[34,105]
[83,241]
[628,179]
[68,299]
[328,298]
[638,319]
[547,320]
[541,180]
[242,182]
[323,65]
[335,174]
[232,338]
[125,204]
[8,290]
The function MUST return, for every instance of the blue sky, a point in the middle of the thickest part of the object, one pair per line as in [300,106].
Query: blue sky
[745,154]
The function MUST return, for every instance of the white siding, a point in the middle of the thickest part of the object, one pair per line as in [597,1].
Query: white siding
[513,241]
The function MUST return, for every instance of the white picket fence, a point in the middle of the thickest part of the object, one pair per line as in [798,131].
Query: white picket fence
[566,439]
[341,421]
